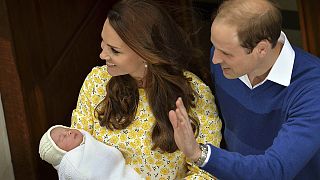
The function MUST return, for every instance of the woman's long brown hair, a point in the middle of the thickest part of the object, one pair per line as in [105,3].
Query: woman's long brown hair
[149,31]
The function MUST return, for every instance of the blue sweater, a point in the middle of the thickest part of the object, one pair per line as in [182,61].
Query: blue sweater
[272,131]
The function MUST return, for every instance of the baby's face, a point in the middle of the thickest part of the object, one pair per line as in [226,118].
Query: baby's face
[65,138]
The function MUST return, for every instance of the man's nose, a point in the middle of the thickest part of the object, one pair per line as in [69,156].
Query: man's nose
[216,59]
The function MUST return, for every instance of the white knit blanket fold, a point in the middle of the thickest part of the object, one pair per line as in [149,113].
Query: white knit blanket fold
[94,160]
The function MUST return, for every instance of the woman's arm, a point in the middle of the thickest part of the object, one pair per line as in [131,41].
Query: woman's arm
[89,97]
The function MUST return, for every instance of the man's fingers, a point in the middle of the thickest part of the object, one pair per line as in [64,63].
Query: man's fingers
[173,118]
[184,122]
[182,108]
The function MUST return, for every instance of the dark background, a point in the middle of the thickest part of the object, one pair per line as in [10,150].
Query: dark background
[48,47]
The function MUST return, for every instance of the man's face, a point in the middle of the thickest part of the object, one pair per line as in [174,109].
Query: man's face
[233,59]
[66,139]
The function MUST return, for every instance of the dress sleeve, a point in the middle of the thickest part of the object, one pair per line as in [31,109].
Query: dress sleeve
[195,173]
[210,124]
[83,116]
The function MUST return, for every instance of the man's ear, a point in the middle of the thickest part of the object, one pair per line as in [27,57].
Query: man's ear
[262,48]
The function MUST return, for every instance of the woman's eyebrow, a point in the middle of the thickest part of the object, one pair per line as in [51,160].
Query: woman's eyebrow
[113,46]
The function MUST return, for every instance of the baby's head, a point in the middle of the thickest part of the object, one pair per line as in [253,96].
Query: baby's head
[57,141]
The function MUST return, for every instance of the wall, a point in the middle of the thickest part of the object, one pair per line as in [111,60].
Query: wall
[6,171]
[310,25]
[290,23]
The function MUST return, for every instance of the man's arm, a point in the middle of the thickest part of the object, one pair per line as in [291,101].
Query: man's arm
[297,142]
[183,134]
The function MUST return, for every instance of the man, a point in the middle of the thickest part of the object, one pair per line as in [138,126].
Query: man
[268,93]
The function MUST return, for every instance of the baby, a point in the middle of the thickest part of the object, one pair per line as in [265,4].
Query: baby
[77,155]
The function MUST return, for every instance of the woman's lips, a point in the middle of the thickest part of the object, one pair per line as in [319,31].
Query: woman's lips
[110,64]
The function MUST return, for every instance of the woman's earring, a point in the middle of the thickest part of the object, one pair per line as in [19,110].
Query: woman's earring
[145,64]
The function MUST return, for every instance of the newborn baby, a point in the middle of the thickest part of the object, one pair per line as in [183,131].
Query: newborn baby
[77,155]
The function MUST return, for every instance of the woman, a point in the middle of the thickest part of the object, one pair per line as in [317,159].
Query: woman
[126,103]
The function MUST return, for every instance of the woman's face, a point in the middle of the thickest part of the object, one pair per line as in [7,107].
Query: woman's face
[66,139]
[119,57]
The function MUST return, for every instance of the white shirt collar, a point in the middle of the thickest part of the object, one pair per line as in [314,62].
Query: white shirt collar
[281,71]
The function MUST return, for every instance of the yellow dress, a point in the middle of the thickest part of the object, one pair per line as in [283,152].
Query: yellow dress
[135,141]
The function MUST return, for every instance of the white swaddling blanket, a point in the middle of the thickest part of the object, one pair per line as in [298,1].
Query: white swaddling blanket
[94,160]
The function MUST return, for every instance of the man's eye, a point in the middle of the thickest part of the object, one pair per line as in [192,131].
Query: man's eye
[225,53]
